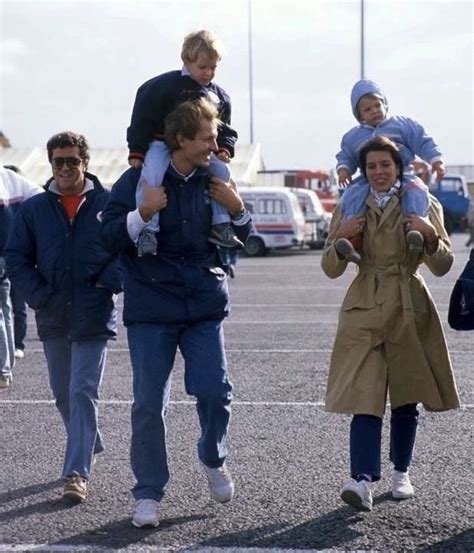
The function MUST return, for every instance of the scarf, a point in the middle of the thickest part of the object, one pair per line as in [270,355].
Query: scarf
[382,198]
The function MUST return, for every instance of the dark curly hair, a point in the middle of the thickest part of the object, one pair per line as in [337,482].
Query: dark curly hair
[69,139]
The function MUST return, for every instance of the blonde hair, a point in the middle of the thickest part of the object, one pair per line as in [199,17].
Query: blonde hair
[201,43]
[186,121]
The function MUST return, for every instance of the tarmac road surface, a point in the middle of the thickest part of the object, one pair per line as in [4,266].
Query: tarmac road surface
[288,457]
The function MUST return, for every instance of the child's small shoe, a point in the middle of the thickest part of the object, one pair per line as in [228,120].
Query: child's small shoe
[223,235]
[345,248]
[415,241]
[147,243]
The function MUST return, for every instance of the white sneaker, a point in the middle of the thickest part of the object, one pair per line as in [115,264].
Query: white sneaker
[145,513]
[358,495]
[401,485]
[19,354]
[220,483]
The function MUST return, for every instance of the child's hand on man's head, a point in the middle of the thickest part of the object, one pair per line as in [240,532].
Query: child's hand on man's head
[345,178]
[439,169]
[135,163]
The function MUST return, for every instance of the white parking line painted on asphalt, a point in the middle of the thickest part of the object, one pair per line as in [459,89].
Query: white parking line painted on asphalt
[261,350]
[289,322]
[257,285]
[46,548]
[173,402]
[286,305]
[332,305]
[464,406]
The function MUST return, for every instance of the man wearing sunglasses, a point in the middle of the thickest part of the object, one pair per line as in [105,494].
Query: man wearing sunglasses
[55,258]
[176,299]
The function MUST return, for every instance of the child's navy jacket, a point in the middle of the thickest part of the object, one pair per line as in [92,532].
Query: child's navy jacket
[159,96]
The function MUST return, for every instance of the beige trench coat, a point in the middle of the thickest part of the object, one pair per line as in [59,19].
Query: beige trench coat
[389,337]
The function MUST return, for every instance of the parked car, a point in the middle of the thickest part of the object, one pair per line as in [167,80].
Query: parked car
[277,216]
[452,193]
[316,217]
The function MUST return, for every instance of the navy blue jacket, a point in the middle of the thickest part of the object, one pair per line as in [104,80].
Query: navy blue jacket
[185,282]
[159,96]
[57,265]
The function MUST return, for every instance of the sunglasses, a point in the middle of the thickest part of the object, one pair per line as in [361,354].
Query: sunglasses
[58,162]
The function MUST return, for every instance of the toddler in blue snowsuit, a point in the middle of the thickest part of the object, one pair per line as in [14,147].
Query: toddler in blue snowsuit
[369,106]
[155,100]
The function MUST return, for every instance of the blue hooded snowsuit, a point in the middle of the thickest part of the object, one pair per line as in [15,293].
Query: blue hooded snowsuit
[411,139]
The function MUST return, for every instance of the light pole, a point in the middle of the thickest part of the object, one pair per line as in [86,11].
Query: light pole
[250,68]
[362,53]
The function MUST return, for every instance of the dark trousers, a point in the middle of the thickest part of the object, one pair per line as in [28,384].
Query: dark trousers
[366,441]
[19,317]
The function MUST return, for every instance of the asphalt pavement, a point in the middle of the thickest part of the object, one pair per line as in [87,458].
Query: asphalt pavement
[287,455]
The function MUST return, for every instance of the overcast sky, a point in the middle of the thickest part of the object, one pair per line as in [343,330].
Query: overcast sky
[77,65]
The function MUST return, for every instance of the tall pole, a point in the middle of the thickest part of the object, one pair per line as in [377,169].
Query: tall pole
[362,53]
[250,68]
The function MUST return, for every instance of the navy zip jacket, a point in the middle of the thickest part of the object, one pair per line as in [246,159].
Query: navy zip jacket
[57,265]
[185,282]
[159,96]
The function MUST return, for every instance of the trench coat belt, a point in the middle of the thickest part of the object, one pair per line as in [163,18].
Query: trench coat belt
[380,274]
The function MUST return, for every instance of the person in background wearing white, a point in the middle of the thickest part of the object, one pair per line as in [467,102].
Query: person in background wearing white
[20,309]
[13,190]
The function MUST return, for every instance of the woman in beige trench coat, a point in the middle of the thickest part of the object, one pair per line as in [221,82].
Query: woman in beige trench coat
[389,337]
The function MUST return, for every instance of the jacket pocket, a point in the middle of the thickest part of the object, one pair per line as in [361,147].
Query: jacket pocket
[154,274]
[361,294]
[216,271]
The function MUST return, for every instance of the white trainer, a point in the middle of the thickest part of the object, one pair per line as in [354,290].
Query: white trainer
[19,354]
[358,495]
[401,485]
[145,513]
[220,483]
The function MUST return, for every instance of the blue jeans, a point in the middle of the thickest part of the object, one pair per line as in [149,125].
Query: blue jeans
[75,374]
[7,343]
[20,317]
[155,165]
[414,198]
[152,352]
[366,440]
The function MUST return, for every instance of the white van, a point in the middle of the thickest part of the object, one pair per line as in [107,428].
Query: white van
[316,217]
[277,218]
